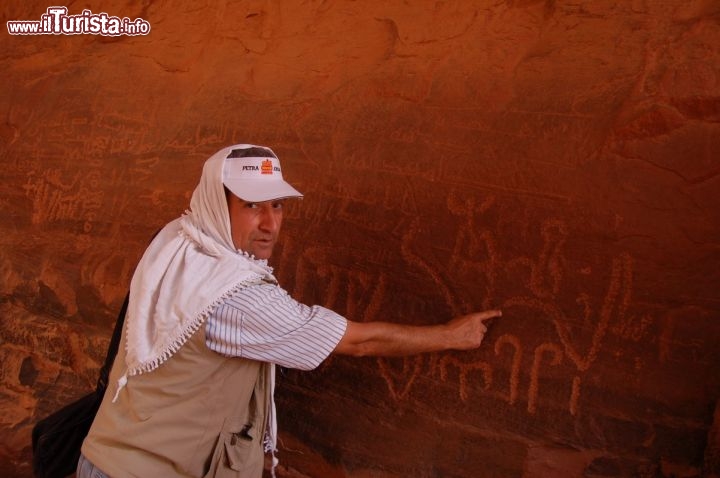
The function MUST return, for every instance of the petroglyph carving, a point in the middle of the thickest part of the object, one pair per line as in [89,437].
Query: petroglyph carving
[614,305]
[357,295]
[464,369]
[533,390]
[546,272]
[413,259]
[142,168]
[475,253]
[400,383]
[56,198]
[616,300]
[514,342]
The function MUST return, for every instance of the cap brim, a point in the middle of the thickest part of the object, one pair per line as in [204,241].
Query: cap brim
[252,191]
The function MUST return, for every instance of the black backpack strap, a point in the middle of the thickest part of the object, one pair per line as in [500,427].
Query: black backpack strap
[112,348]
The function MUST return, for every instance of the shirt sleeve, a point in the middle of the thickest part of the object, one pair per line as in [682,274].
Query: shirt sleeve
[262,322]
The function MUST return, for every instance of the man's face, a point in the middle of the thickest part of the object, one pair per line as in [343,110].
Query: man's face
[255,225]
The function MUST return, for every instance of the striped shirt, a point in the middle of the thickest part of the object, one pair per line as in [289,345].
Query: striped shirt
[262,322]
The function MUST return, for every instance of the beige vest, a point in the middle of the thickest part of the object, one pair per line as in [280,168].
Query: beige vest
[199,414]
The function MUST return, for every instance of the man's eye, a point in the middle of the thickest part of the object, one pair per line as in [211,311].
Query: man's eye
[250,205]
[277,205]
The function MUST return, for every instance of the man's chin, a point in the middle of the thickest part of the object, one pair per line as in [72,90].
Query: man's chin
[262,252]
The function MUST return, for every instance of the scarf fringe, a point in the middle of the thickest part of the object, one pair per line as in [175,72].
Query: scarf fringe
[191,328]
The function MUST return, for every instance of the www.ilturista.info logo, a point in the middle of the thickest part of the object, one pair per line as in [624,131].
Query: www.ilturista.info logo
[57,22]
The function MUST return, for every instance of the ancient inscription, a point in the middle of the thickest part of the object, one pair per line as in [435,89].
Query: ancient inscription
[571,340]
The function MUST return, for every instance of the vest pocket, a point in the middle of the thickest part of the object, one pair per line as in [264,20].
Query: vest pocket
[238,452]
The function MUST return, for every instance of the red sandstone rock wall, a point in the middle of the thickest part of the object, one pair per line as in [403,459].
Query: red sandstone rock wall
[557,159]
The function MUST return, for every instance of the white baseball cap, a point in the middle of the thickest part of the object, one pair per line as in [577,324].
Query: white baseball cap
[253,174]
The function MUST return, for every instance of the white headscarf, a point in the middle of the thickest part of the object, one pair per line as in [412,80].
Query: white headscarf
[189,268]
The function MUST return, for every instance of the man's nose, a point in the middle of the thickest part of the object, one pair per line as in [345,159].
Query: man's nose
[269,220]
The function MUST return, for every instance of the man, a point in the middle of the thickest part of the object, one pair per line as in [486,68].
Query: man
[206,324]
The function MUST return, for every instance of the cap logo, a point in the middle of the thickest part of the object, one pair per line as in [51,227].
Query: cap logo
[253,173]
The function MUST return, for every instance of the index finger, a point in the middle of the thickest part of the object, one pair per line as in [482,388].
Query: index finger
[489,314]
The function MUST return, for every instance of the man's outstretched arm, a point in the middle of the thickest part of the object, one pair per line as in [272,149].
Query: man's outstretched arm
[385,339]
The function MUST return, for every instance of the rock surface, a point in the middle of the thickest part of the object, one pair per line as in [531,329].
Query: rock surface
[557,159]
